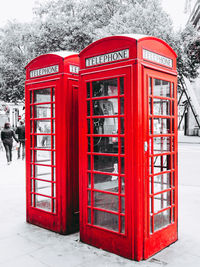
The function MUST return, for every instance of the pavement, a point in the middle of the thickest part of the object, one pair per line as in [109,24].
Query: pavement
[26,245]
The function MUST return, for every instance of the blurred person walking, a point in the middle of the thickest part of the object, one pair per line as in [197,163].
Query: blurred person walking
[7,135]
[20,131]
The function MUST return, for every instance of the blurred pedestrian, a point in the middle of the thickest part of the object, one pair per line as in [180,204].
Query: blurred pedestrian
[7,135]
[20,131]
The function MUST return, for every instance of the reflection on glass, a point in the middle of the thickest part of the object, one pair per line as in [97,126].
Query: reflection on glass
[106,182]
[122,185]
[105,107]
[106,220]
[161,145]
[162,219]
[42,95]
[42,126]
[105,126]
[43,203]
[162,182]
[104,88]
[162,163]
[106,164]
[42,111]
[161,106]
[53,94]
[43,172]
[162,201]
[161,88]
[43,188]
[43,141]
[161,126]
[105,145]
[42,156]
[106,201]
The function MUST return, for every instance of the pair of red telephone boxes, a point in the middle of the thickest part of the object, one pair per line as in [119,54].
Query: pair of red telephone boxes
[101,144]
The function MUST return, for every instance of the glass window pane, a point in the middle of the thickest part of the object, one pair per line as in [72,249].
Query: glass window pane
[43,172]
[42,111]
[43,188]
[122,204]
[105,145]
[105,107]
[161,107]
[42,95]
[121,105]
[122,224]
[42,126]
[161,145]
[122,125]
[106,164]
[105,126]
[43,156]
[161,88]
[106,220]
[162,182]
[42,141]
[88,90]
[104,88]
[53,110]
[162,201]
[121,81]
[53,94]
[122,146]
[150,86]
[122,185]
[89,162]
[106,201]
[162,163]
[43,203]
[162,219]
[89,180]
[122,165]
[88,108]
[150,105]
[161,126]
[89,215]
[89,198]
[105,182]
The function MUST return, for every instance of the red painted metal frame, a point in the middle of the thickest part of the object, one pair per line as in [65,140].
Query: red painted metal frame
[63,216]
[137,242]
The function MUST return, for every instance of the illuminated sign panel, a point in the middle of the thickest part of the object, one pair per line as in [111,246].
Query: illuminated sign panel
[44,71]
[106,58]
[148,55]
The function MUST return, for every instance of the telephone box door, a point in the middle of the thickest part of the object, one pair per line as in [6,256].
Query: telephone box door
[161,177]
[42,185]
[106,208]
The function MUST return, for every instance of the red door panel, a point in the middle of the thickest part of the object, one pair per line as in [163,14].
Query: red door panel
[104,173]
[161,159]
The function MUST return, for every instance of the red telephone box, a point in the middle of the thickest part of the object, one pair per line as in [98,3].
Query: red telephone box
[52,141]
[128,145]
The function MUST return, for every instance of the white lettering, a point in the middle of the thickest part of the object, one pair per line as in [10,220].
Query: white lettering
[74,69]
[44,71]
[118,55]
[148,55]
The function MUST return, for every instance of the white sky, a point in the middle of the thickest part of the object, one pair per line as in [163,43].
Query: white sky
[21,10]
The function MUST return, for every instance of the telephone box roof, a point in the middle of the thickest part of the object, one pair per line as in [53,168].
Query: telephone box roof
[62,54]
[136,37]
